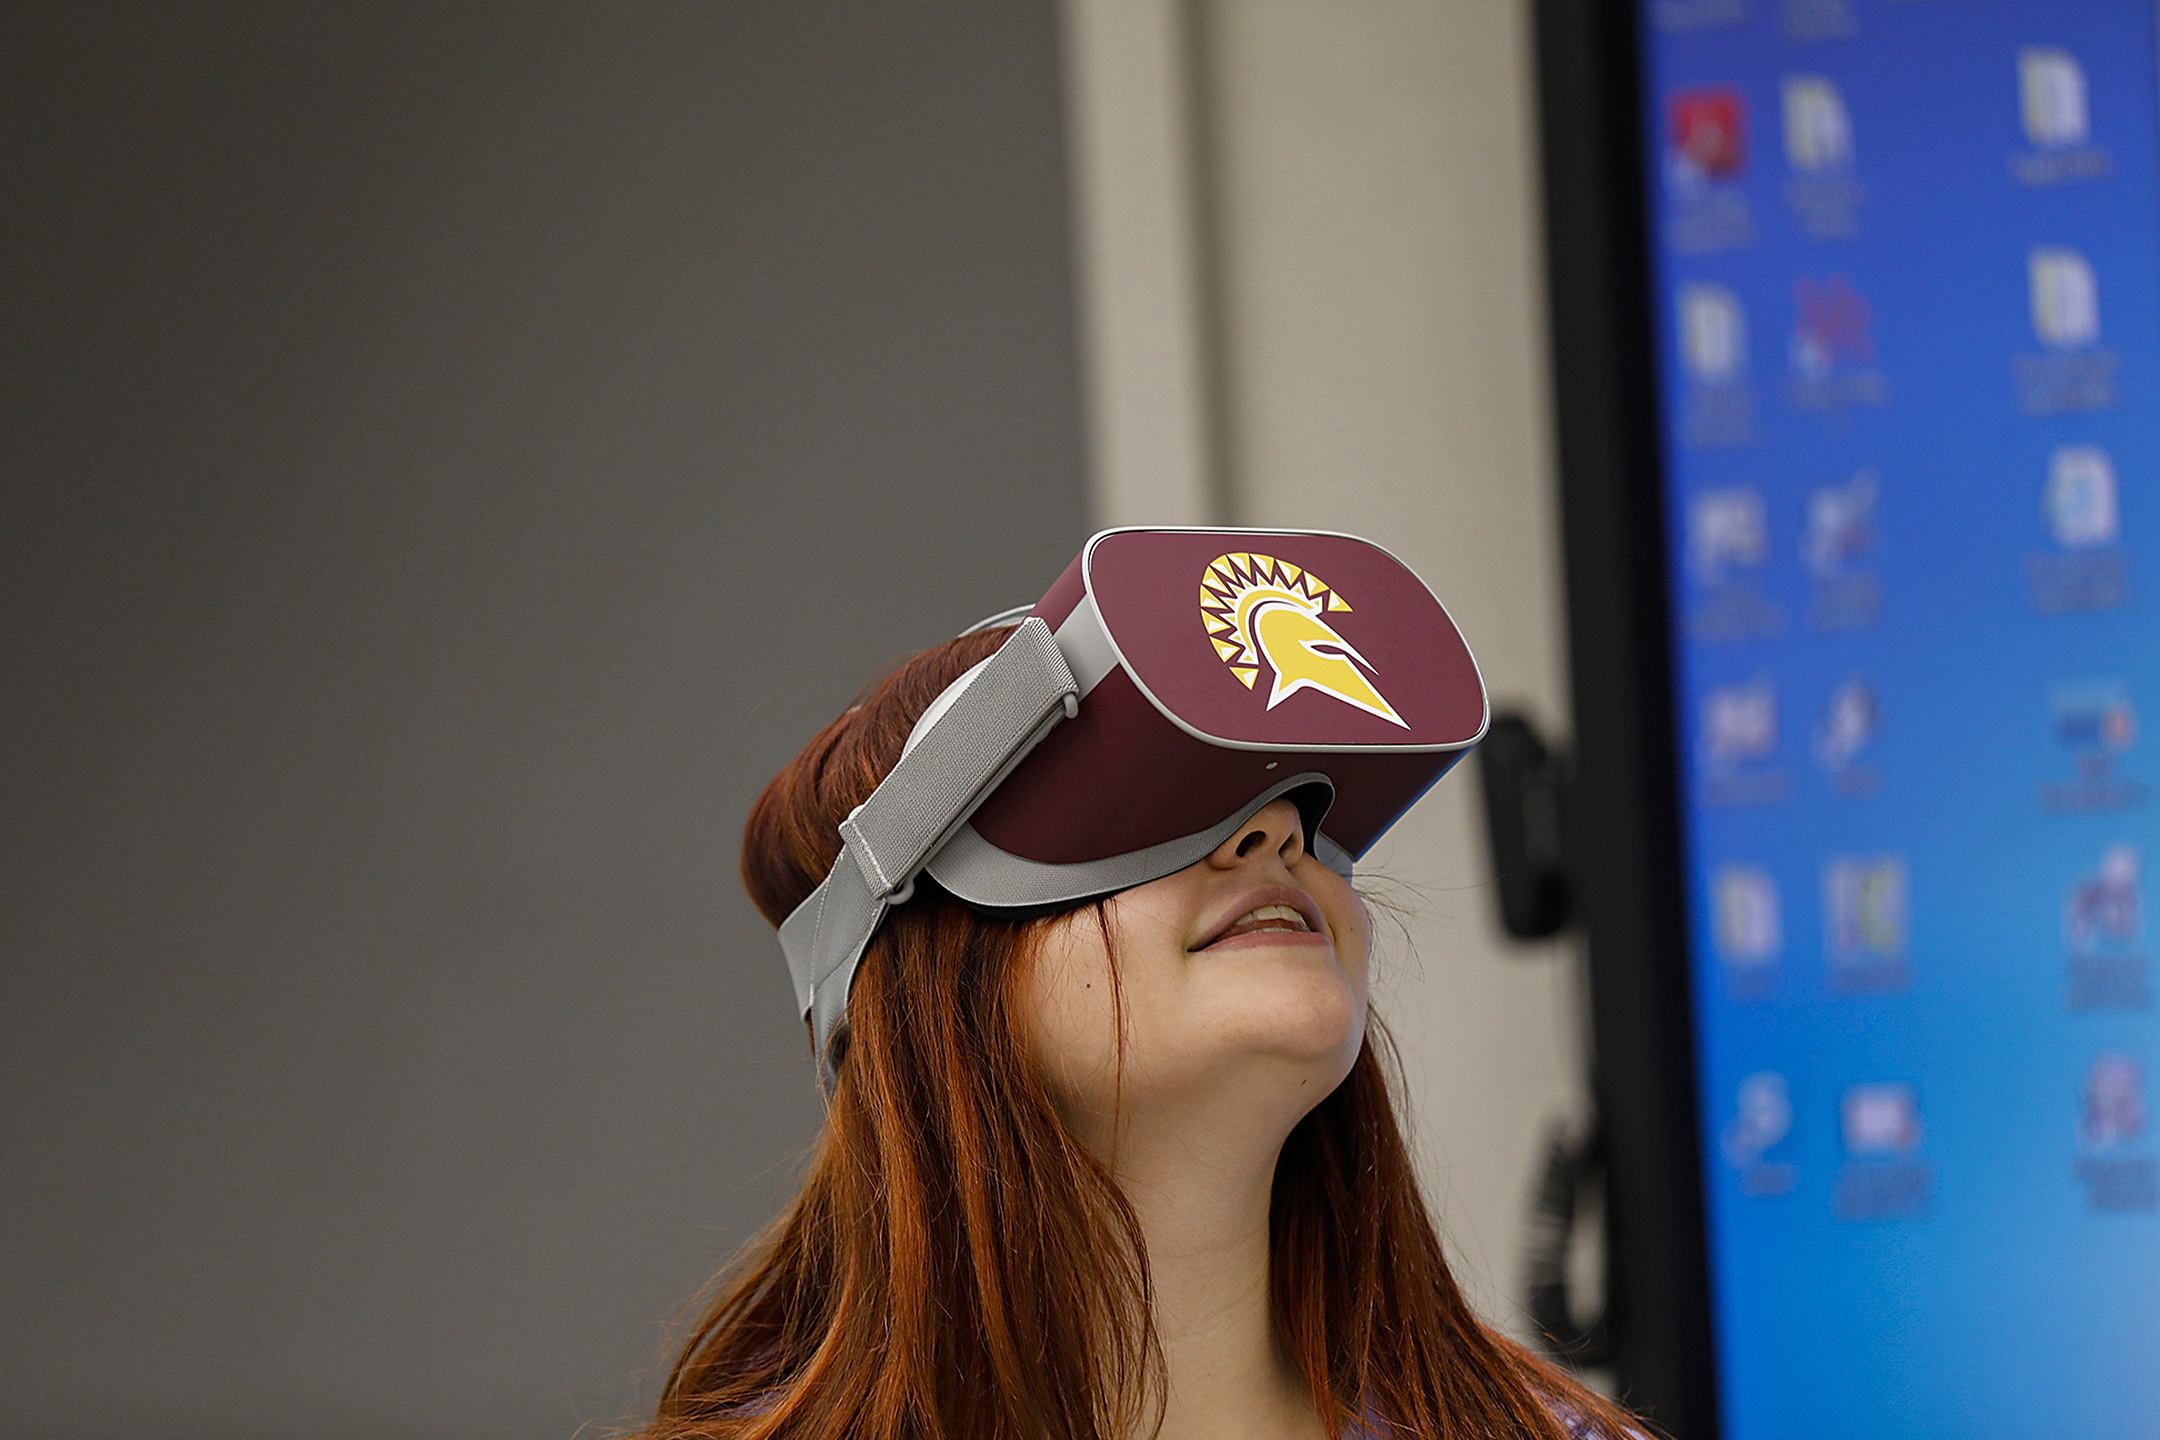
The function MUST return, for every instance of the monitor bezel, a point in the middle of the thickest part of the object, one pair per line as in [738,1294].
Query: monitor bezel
[1627,864]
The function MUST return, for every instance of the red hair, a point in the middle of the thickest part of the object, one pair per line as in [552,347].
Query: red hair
[958,1266]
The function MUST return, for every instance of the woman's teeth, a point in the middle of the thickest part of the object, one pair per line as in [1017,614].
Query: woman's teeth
[1267,917]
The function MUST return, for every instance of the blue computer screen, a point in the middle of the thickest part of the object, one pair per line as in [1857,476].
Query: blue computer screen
[1907,272]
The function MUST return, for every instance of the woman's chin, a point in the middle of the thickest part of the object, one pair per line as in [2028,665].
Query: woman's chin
[1293,998]
[1297,1031]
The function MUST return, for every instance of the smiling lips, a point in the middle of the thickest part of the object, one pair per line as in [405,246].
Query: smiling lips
[1272,918]
[1266,917]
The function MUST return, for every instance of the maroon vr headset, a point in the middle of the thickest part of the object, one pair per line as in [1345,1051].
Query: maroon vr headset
[1169,685]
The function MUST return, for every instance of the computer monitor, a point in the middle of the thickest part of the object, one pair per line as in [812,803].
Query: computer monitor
[1857,341]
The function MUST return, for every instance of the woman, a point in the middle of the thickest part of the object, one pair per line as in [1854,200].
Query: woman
[1127,1169]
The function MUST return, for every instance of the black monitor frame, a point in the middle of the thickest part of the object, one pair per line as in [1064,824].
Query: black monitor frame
[1624,806]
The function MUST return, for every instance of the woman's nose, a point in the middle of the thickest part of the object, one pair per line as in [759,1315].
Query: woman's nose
[1275,829]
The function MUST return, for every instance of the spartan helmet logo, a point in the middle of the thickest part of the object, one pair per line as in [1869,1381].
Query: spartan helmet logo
[1259,610]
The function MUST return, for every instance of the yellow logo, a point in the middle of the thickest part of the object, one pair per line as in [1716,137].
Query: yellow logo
[1259,610]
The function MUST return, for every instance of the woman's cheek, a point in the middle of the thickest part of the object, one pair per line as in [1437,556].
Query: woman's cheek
[1349,921]
[1072,1010]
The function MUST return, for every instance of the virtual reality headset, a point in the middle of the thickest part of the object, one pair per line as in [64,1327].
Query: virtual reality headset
[1169,685]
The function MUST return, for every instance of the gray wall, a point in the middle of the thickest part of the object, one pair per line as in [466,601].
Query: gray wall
[453,454]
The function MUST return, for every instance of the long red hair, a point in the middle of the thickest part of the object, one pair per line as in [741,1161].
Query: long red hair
[958,1267]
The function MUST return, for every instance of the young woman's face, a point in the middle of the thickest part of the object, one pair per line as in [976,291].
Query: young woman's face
[1243,974]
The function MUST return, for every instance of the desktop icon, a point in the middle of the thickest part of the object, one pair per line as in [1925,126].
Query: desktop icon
[1847,726]
[1728,541]
[1738,745]
[1713,333]
[1740,723]
[1727,531]
[1880,1119]
[2058,123]
[1762,1119]
[1884,1176]
[2051,98]
[1831,327]
[1708,133]
[1865,921]
[2065,297]
[1818,131]
[1839,535]
[2079,500]
[1840,524]
[1744,904]
[2074,371]
[2105,966]
[2094,719]
[2104,910]
[2111,1120]
[1720,406]
[2111,1103]
[2087,571]
[1763,1116]
[1705,156]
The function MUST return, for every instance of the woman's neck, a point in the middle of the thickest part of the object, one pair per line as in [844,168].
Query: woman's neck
[1203,1210]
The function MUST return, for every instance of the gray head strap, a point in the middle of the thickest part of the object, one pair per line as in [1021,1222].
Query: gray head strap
[1018,695]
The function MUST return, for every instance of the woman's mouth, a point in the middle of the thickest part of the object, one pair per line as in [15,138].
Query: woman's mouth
[1277,918]
[1265,917]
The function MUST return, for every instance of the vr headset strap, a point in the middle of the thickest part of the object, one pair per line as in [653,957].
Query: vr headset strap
[1016,698]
